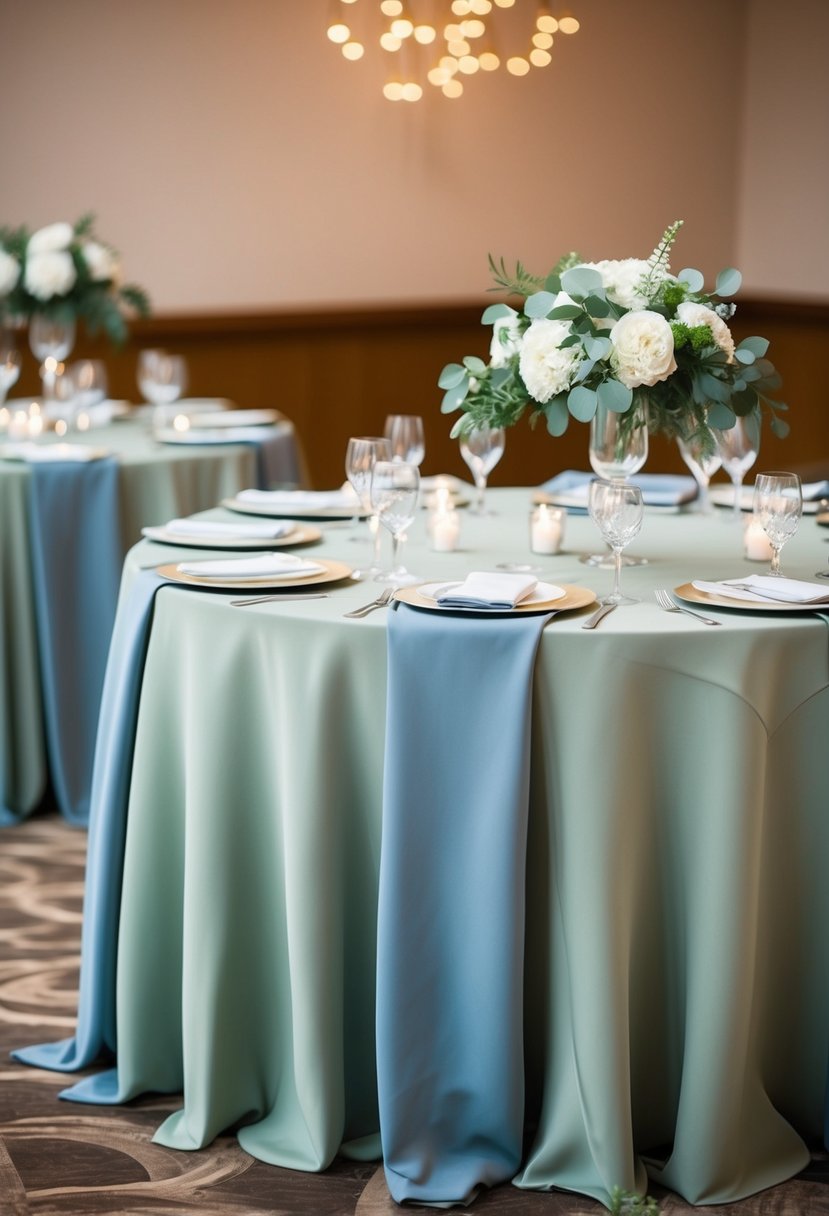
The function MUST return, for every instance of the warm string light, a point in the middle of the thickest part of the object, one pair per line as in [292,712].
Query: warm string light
[462,45]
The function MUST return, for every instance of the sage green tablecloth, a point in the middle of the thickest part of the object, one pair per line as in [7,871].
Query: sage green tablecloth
[156,483]
[677,961]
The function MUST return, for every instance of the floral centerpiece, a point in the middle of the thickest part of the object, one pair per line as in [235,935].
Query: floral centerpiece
[627,336]
[64,272]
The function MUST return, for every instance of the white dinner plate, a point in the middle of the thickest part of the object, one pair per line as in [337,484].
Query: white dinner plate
[299,512]
[233,418]
[723,496]
[302,534]
[692,594]
[329,572]
[547,597]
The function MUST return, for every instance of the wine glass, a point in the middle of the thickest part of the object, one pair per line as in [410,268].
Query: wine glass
[482,448]
[162,378]
[51,339]
[738,448]
[405,434]
[10,361]
[394,489]
[360,457]
[778,504]
[618,449]
[89,379]
[702,457]
[617,510]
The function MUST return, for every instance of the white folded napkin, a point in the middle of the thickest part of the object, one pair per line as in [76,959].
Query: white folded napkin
[234,419]
[36,453]
[764,588]
[265,565]
[487,590]
[298,500]
[228,434]
[210,527]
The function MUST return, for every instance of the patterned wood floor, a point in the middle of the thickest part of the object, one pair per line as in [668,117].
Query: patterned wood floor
[57,1158]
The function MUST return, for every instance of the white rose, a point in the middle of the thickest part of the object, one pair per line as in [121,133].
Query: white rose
[545,368]
[692,314]
[51,239]
[102,262]
[506,340]
[50,274]
[643,348]
[621,280]
[9,272]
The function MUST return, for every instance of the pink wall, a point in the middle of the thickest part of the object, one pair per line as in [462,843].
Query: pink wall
[238,162]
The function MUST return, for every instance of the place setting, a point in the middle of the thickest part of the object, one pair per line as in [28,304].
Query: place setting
[265,572]
[496,593]
[216,534]
[299,504]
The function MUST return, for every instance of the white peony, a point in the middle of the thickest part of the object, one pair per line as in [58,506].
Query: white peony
[102,262]
[50,274]
[692,314]
[53,238]
[9,272]
[643,348]
[506,340]
[621,280]
[545,368]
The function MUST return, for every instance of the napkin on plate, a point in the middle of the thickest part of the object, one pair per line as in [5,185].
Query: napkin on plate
[36,453]
[265,565]
[487,590]
[227,434]
[299,500]
[211,527]
[658,489]
[765,588]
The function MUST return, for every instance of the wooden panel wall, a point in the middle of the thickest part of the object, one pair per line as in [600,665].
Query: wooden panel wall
[339,373]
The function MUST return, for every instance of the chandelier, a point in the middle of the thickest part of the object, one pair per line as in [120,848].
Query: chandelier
[443,45]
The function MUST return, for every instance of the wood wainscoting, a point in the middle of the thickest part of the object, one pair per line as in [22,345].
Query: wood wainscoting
[338,372]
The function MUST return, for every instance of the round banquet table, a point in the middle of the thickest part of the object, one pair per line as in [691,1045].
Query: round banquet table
[677,957]
[156,482]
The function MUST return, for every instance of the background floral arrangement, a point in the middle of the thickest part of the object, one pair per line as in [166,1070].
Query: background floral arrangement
[64,271]
[626,336]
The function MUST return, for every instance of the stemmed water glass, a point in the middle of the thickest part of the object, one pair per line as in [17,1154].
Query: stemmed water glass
[162,378]
[703,459]
[618,449]
[778,504]
[482,448]
[89,379]
[617,510]
[405,434]
[10,362]
[360,457]
[738,448]
[394,489]
[51,340]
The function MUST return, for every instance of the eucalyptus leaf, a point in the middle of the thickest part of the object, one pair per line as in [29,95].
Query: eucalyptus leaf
[581,281]
[750,374]
[720,417]
[744,402]
[572,340]
[744,356]
[714,389]
[539,304]
[453,398]
[499,376]
[597,305]
[597,348]
[557,415]
[475,365]
[779,427]
[728,282]
[615,396]
[582,403]
[457,426]
[451,375]
[553,283]
[757,346]
[692,279]
[495,312]
[584,369]
[565,312]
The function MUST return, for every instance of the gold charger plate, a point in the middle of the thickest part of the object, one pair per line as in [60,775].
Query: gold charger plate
[574,597]
[332,572]
[251,508]
[687,591]
[302,534]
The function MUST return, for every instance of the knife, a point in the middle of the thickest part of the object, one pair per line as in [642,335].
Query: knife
[599,615]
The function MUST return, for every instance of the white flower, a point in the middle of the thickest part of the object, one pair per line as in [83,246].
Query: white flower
[643,348]
[692,314]
[51,239]
[102,262]
[621,280]
[545,368]
[9,272]
[50,274]
[506,340]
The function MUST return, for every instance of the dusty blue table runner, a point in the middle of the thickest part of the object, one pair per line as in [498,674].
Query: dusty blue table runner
[451,905]
[96,1032]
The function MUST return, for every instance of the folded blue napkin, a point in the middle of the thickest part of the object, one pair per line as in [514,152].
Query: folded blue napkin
[658,489]
[450,949]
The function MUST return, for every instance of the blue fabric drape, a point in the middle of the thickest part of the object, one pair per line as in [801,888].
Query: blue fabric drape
[76,557]
[451,905]
[95,1033]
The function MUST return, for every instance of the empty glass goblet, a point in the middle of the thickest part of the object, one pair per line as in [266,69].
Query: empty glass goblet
[738,448]
[405,434]
[703,459]
[51,340]
[778,504]
[394,491]
[162,378]
[482,448]
[618,449]
[360,456]
[617,510]
[89,378]
[10,361]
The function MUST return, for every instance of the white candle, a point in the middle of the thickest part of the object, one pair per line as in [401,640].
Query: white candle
[546,529]
[756,544]
[445,530]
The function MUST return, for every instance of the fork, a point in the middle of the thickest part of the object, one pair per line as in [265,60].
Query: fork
[381,602]
[664,600]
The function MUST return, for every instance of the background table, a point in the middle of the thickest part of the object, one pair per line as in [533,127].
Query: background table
[156,482]
[677,960]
